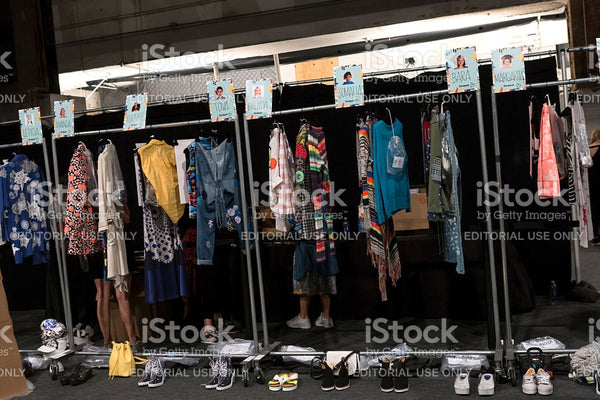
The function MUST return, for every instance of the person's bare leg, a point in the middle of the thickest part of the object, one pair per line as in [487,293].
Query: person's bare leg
[101,311]
[125,311]
[304,304]
[186,305]
[325,305]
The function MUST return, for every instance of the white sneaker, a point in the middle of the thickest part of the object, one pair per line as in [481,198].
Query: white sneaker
[461,384]
[529,386]
[324,323]
[299,323]
[544,386]
[486,385]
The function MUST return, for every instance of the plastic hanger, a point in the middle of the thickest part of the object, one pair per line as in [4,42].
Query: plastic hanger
[391,121]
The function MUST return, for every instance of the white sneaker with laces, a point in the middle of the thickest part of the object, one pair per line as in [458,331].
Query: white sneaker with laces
[544,386]
[299,323]
[324,323]
[461,384]
[486,385]
[529,385]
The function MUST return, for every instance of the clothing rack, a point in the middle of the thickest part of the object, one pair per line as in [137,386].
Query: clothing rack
[390,98]
[64,286]
[509,341]
[243,197]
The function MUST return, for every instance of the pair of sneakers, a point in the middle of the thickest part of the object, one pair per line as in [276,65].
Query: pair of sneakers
[154,374]
[221,373]
[485,387]
[304,323]
[537,382]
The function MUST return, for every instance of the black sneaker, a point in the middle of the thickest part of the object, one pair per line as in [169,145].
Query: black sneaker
[400,376]
[214,364]
[81,375]
[65,376]
[157,375]
[226,375]
[327,383]
[146,376]
[342,380]
[387,381]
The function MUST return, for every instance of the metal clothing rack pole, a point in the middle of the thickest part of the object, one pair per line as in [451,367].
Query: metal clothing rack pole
[242,188]
[56,238]
[388,98]
[510,352]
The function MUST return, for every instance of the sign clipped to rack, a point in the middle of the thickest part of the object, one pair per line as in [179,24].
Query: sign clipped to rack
[221,100]
[508,69]
[259,99]
[136,108]
[31,126]
[64,118]
[462,72]
[348,86]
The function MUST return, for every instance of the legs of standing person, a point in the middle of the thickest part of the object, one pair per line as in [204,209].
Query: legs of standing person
[102,310]
[125,311]
[325,305]
[304,306]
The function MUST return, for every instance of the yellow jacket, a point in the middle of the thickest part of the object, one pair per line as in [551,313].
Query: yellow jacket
[158,164]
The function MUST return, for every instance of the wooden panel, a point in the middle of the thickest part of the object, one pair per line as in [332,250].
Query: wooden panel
[316,69]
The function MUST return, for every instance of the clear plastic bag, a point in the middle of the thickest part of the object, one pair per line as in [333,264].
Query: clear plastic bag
[544,343]
[299,359]
[237,346]
[96,361]
[37,361]
[461,362]
[396,157]
[372,361]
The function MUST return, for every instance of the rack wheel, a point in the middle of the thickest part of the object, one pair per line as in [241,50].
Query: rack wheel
[245,377]
[512,376]
[260,376]
[53,370]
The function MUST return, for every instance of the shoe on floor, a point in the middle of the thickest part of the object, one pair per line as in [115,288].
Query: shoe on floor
[209,335]
[529,385]
[299,323]
[157,374]
[544,386]
[215,364]
[324,322]
[486,385]
[400,376]
[342,380]
[461,384]
[328,382]
[146,375]
[387,380]
[226,375]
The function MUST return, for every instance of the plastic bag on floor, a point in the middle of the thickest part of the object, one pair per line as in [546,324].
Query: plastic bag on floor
[96,361]
[237,346]
[586,360]
[460,362]
[368,361]
[544,343]
[37,361]
[307,360]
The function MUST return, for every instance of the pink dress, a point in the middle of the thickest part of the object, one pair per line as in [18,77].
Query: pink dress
[548,180]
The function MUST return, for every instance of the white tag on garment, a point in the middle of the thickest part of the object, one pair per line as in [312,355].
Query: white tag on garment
[398,162]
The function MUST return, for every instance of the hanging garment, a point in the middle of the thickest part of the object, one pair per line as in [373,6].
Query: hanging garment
[24,205]
[382,245]
[534,133]
[304,222]
[434,202]
[164,261]
[181,165]
[548,180]
[363,149]
[321,191]
[81,226]
[189,252]
[190,175]
[218,197]
[111,201]
[581,161]
[281,178]
[392,192]
[558,141]
[158,164]
[453,250]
